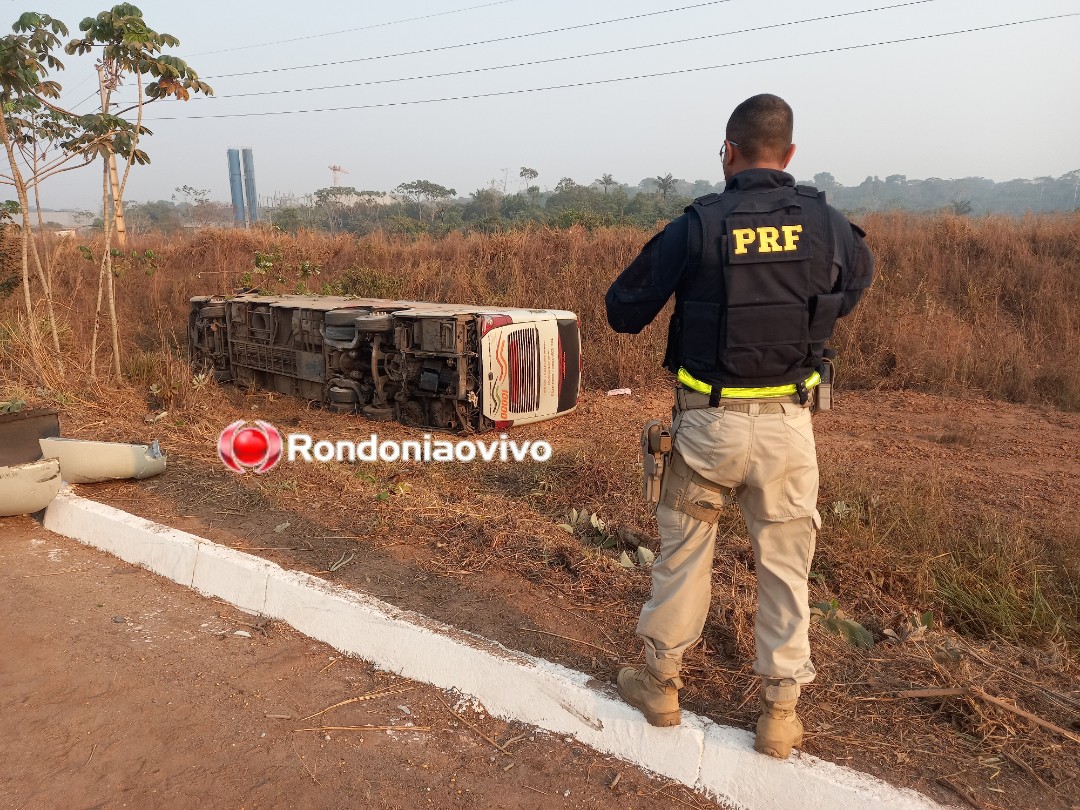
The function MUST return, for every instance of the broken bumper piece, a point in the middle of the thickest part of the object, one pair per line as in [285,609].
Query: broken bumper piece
[87,462]
[28,488]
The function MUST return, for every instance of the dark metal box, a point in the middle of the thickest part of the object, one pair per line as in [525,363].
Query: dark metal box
[20,431]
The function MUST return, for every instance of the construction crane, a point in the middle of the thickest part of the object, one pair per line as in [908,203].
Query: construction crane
[337,170]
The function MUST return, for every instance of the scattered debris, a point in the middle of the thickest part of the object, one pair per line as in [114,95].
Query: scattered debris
[619,392]
[912,628]
[242,633]
[501,748]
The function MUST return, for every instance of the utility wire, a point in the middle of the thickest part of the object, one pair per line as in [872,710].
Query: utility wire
[596,82]
[565,58]
[92,94]
[511,38]
[358,28]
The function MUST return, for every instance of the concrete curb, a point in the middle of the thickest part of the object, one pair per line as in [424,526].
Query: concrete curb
[716,760]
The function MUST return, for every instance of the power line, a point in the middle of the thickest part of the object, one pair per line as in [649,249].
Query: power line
[596,82]
[72,90]
[92,94]
[472,44]
[566,58]
[358,28]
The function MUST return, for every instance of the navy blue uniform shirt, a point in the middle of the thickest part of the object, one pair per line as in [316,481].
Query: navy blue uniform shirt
[636,297]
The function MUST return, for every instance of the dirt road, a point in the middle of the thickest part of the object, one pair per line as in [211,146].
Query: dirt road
[119,689]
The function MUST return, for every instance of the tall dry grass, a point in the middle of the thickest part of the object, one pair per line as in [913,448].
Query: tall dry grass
[963,304]
[959,305]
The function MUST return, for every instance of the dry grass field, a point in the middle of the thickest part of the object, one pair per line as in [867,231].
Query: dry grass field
[950,479]
[960,306]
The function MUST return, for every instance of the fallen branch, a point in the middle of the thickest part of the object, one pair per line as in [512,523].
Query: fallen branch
[959,791]
[365,728]
[967,691]
[377,693]
[1015,760]
[1028,715]
[567,638]
[915,693]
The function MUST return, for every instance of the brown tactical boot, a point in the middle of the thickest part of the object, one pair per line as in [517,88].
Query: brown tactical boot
[657,699]
[778,728]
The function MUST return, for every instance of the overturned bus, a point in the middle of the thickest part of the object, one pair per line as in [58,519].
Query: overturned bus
[442,366]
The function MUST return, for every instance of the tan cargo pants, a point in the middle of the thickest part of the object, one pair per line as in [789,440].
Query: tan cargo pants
[769,460]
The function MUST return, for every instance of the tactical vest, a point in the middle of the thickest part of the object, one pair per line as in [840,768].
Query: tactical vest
[758,302]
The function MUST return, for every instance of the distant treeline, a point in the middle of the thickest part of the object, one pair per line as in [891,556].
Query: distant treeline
[423,206]
[968,195]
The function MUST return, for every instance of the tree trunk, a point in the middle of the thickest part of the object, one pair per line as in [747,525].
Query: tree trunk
[106,267]
[45,276]
[20,187]
[113,323]
[110,161]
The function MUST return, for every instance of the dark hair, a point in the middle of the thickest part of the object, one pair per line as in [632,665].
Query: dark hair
[761,126]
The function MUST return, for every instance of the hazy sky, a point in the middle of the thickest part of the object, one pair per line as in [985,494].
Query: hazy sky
[998,103]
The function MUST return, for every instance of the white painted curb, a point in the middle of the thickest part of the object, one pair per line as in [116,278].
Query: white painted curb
[714,759]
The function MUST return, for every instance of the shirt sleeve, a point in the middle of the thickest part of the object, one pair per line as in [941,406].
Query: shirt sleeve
[636,297]
[856,262]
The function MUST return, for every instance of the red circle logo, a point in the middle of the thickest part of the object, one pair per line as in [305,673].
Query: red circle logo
[256,447]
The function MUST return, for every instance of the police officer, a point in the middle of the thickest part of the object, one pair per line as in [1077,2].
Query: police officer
[760,273]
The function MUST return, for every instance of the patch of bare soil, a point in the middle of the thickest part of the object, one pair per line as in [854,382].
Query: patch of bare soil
[120,689]
[480,547]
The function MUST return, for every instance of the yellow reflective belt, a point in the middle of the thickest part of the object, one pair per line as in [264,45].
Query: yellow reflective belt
[789,390]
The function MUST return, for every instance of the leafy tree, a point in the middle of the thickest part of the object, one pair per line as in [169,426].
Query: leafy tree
[189,195]
[605,180]
[483,208]
[159,215]
[125,46]
[961,207]
[648,185]
[421,191]
[665,184]
[330,204]
[25,60]
[701,188]
[527,175]
[823,181]
[335,195]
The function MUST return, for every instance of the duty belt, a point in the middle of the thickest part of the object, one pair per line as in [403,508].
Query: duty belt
[715,394]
